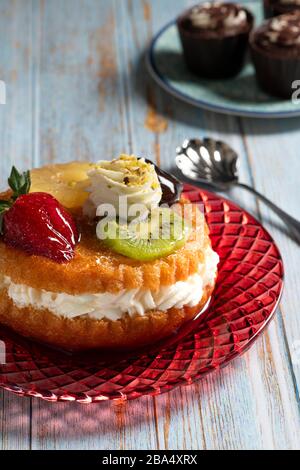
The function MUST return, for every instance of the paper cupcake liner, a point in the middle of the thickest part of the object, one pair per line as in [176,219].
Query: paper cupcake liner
[275,75]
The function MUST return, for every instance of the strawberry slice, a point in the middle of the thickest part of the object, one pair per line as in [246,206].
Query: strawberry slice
[37,223]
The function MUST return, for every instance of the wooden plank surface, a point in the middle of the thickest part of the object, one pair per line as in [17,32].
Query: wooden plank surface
[77,89]
[16,70]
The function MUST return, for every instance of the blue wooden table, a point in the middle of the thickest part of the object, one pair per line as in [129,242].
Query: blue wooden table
[77,88]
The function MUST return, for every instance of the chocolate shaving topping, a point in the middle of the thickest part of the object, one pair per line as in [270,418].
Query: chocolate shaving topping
[283,31]
[217,16]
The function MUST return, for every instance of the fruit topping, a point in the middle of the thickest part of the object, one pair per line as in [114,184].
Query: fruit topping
[162,233]
[67,182]
[36,222]
[171,187]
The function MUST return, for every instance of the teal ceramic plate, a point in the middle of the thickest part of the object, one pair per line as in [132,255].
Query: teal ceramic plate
[238,96]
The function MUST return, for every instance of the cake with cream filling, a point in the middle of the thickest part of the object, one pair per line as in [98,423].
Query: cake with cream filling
[78,279]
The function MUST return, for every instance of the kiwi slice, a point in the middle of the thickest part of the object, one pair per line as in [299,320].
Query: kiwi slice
[162,233]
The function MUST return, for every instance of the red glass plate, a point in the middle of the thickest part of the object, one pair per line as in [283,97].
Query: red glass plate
[248,289]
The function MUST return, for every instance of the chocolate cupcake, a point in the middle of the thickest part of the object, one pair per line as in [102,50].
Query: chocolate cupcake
[280,7]
[214,38]
[275,50]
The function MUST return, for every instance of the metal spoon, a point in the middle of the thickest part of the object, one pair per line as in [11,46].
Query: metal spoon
[214,163]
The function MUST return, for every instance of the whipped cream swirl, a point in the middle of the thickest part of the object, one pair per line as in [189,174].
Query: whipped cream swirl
[283,30]
[218,15]
[125,180]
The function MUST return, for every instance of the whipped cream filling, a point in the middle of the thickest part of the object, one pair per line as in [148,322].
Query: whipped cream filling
[114,306]
[120,184]
[217,15]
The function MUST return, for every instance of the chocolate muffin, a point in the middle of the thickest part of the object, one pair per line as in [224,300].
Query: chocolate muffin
[279,7]
[275,50]
[214,38]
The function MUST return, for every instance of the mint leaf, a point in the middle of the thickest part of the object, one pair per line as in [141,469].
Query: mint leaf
[14,179]
[25,183]
[19,182]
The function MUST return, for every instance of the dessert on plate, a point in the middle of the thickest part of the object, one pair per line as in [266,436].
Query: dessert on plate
[279,7]
[103,255]
[214,37]
[275,50]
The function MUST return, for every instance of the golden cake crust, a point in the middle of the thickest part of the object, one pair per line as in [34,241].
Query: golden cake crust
[97,269]
[84,333]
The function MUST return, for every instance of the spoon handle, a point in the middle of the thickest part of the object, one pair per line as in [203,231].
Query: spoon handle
[293,224]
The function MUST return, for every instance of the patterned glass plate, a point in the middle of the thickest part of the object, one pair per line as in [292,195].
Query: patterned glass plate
[239,96]
[248,289]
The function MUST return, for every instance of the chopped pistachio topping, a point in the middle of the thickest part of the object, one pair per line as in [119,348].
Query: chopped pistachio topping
[135,172]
